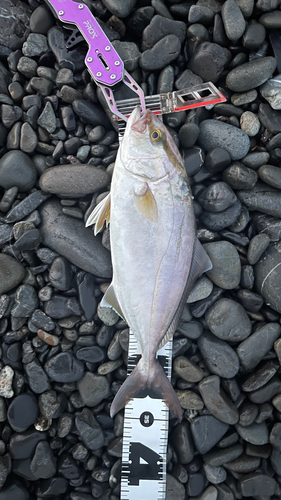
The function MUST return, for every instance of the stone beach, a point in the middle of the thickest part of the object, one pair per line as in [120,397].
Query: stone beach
[62,356]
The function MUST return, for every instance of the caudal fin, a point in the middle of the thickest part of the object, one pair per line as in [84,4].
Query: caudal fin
[156,380]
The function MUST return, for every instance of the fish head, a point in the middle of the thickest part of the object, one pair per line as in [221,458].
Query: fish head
[147,148]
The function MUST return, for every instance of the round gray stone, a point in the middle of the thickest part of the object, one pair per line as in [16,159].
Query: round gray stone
[216,134]
[228,320]
[17,169]
[73,181]
[268,276]
[226,264]
[219,357]
[11,273]
[93,389]
[251,74]
[257,246]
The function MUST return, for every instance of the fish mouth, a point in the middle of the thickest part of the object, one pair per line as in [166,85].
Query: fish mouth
[141,121]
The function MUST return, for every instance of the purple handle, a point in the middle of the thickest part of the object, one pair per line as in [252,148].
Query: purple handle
[102,60]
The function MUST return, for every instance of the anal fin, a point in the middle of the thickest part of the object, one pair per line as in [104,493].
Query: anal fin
[110,300]
[100,215]
[199,265]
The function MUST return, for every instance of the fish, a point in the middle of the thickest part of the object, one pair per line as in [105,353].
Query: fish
[156,256]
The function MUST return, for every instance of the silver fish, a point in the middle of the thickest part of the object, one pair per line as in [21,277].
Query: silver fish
[156,256]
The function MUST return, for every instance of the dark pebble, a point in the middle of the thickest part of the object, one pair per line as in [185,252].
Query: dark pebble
[239,177]
[206,432]
[257,484]
[70,238]
[226,264]
[214,134]
[221,220]
[228,320]
[60,274]
[73,180]
[257,247]
[17,169]
[188,134]
[163,53]
[268,276]
[262,199]
[216,401]
[23,445]
[208,61]
[37,379]
[43,463]
[193,159]
[89,430]
[219,357]
[250,75]
[216,160]
[86,290]
[217,197]
[64,367]
[233,20]
[90,113]
[252,350]
[22,412]
[269,118]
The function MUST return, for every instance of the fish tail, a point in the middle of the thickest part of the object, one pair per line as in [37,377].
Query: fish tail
[155,380]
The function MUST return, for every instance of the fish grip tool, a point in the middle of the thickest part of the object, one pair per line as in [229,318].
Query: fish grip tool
[204,94]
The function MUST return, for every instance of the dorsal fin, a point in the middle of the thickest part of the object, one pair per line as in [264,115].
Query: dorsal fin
[200,264]
[100,215]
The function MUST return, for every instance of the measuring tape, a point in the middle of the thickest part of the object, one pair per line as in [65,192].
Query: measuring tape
[145,437]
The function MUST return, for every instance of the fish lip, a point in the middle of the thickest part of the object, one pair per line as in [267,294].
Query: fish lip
[142,121]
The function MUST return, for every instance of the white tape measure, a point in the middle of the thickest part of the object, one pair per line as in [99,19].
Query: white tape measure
[145,436]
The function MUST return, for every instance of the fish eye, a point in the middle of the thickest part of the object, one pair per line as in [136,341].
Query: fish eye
[156,135]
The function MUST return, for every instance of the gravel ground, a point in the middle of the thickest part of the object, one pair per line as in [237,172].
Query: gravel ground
[63,358]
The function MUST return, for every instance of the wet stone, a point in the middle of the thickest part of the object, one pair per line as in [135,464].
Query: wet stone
[214,134]
[228,320]
[187,370]
[252,350]
[89,430]
[43,463]
[218,457]
[257,247]
[271,175]
[226,264]
[64,367]
[86,290]
[217,159]
[233,20]
[217,197]
[256,434]
[22,412]
[208,61]
[261,376]
[22,445]
[201,290]
[193,159]
[188,134]
[163,53]
[250,75]
[219,357]
[239,177]
[37,379]
[257,484]
[93,389]
[182,443]
[17,169]
[216,401]
[215,475]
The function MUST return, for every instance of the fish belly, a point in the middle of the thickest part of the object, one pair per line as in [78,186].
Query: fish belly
[151,260]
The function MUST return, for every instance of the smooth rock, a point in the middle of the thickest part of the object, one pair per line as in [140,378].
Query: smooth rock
[217,197]
[228,320]
[267,391]
[162,53]
[257,247]
[252,350]
[43,463]
[37,379]
[216,134]
[269,118]
[174,489]
[206,432]
[17,169]
[216,401]
[70,238]
[22,412]
[267,276]
[60,274]
[73,181]
[35,45]
[201,290]
[89,430]
[187,370]
[41,20]
[240,177]
[250,123]
[11,273]
[219,357]
[93,389]
[226,264]
[120,8]
[252,74]
[64,367]
[221,456]
[208,61]
[257,484]
[233,20]
[260,377]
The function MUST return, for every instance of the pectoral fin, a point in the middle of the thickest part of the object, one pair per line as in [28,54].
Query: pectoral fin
[200,264]
[110,300]
[146,203]
[100,215]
